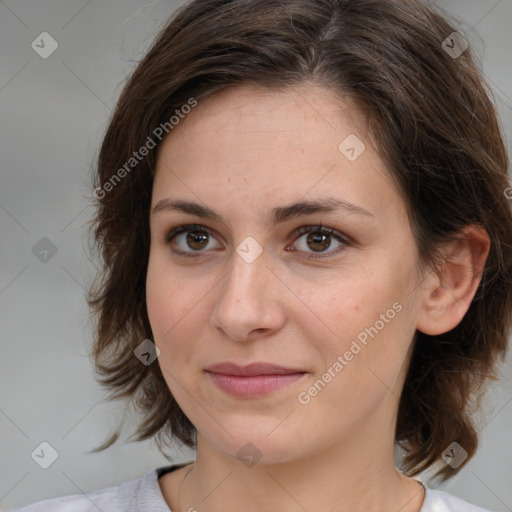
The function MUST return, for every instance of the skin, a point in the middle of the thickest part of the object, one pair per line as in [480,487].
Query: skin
[243,152]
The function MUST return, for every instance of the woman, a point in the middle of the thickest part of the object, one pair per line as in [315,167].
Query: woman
[307,257]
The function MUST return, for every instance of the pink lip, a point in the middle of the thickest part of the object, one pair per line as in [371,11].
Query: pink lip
[228,368]
[252,380]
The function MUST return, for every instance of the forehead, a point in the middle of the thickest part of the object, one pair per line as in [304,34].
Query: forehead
[309,103]
[246,126]
[281,144]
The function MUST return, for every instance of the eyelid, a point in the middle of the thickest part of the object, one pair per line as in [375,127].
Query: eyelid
[320,228]
[186,228]
[345,240]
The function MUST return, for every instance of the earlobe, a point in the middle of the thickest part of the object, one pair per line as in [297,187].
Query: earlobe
[448,293]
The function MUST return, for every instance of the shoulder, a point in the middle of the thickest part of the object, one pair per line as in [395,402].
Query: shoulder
[139,494]
[440,501]
[77,502]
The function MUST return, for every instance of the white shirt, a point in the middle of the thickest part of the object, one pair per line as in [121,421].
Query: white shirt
[144,495]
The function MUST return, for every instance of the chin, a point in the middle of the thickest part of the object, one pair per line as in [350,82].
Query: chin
[252,442]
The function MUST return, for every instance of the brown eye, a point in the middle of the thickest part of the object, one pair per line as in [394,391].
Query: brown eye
[196,240]
[189,239]
[319,240]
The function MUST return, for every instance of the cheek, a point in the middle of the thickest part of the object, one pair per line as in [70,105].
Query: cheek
[170,298]
[170,313]
[368,325]
[169,307]
[178,311]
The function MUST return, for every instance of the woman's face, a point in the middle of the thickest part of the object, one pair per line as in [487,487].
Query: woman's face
[337,309]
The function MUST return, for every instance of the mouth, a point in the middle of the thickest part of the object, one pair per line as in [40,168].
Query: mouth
[252,380]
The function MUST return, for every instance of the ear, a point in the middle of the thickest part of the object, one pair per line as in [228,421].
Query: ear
[448,293]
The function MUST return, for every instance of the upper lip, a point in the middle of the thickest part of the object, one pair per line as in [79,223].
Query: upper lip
[228,368]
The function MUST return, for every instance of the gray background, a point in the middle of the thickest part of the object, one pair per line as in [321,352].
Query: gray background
[53,112]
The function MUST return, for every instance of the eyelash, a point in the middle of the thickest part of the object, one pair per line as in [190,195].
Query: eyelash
[172,233]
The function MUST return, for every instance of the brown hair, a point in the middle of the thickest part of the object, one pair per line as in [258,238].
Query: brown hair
[436,128]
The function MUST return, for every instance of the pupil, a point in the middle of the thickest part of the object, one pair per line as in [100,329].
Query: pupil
[194,238]
[318,239]
[198,240]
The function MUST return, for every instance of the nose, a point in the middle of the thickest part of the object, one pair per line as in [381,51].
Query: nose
[248,300]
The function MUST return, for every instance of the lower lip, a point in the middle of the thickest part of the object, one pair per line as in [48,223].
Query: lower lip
[253,386]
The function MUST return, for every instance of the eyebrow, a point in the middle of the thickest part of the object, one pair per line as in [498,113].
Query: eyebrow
[276,215]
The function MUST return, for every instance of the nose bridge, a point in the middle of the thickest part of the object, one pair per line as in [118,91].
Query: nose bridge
[242,305]
[246,278]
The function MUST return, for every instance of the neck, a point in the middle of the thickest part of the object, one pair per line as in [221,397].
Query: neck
[352,475]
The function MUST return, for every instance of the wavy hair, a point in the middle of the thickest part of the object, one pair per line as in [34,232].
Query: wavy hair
[436,128]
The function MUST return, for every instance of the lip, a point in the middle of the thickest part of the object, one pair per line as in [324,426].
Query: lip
[252,380]
[253,369]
